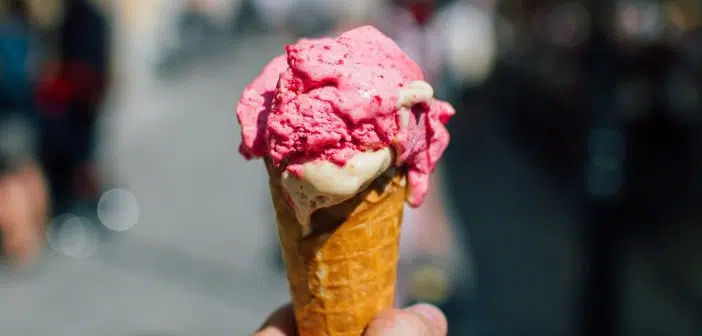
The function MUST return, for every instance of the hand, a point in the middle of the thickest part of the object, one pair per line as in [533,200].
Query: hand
[23,212]
[418,320]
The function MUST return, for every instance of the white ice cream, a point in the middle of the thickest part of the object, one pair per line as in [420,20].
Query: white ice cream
[324,184]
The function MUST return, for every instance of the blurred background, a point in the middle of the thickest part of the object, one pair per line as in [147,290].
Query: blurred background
[567,202]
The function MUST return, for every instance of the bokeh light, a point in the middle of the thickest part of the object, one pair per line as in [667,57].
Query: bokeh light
[73,236]
[118,209]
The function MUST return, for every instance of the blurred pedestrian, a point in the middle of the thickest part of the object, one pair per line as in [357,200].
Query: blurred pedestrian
[71,94]
[23,193]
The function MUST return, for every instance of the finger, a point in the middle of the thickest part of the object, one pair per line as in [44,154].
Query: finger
[434,316]
[419,320]
[280,323]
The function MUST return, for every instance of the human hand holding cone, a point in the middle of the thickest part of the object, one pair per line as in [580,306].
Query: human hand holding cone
[349,132]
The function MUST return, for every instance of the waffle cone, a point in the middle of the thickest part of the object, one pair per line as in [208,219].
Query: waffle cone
[343,273]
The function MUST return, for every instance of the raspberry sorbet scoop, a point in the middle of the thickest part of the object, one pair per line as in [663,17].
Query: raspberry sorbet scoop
[356,98]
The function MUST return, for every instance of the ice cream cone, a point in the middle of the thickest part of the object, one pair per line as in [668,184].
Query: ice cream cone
[344,272]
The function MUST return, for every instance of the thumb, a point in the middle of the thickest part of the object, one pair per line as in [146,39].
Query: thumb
[418,320]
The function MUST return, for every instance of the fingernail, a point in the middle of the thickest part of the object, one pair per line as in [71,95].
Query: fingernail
[429,311]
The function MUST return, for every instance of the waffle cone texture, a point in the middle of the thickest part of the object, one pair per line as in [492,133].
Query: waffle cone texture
[343,274]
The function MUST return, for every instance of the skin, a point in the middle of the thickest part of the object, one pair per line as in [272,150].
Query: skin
[23,213]
[417,320]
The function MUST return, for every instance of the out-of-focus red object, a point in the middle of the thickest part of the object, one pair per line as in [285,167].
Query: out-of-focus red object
[64,84]
[422,11]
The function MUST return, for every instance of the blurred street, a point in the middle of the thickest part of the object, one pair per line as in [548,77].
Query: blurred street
[183,269]
[570,192]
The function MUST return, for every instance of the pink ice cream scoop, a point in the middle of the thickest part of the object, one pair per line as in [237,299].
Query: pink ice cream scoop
[327,100]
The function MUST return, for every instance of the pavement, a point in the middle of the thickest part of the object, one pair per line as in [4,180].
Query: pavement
[193,258]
